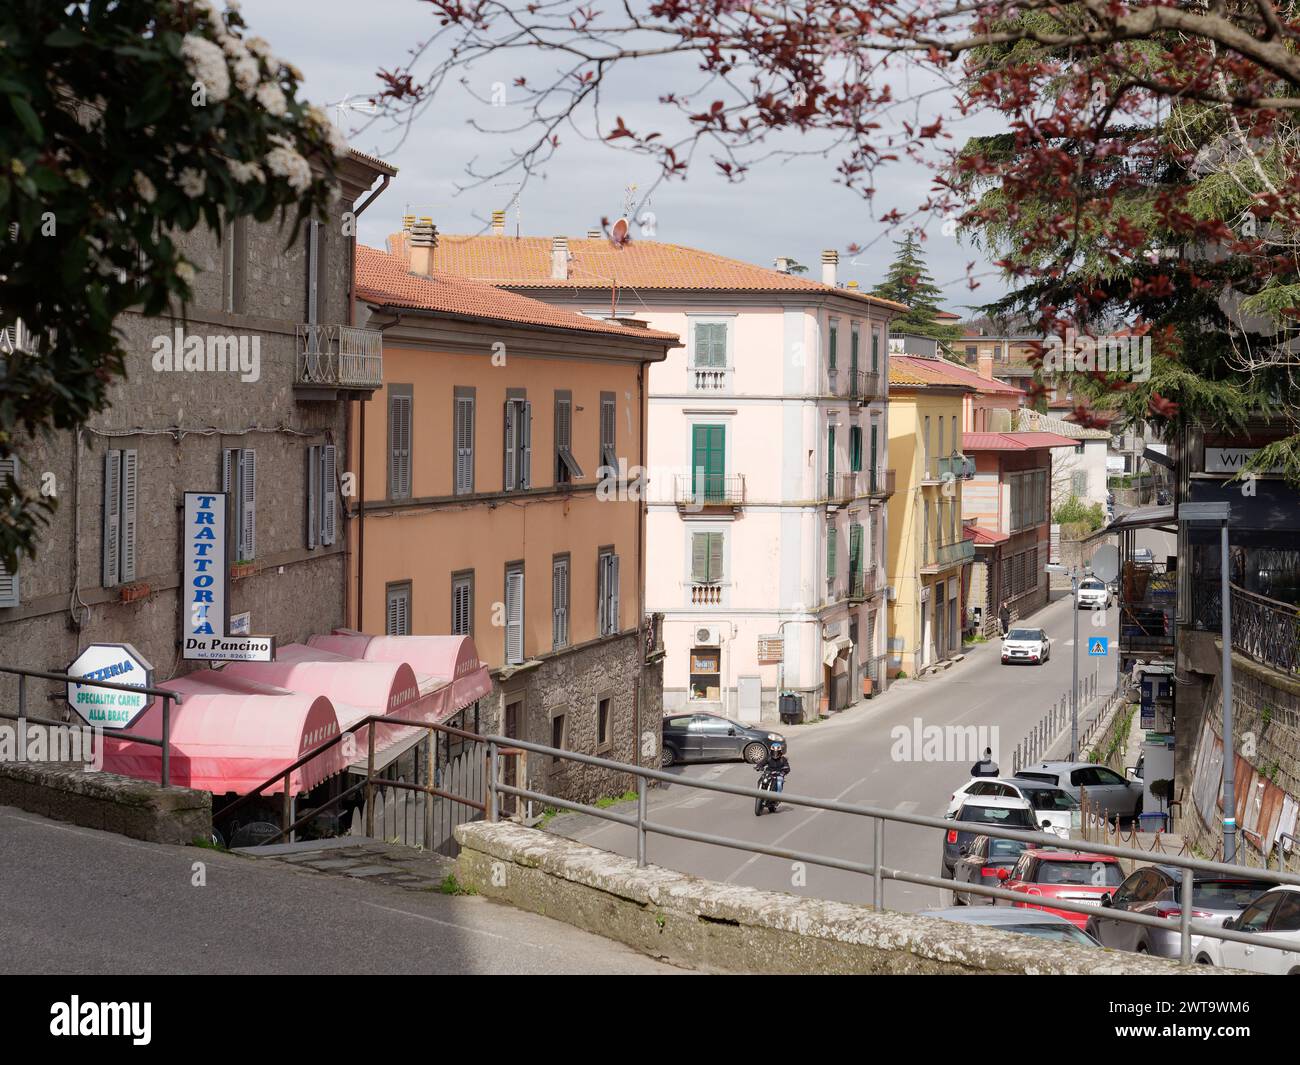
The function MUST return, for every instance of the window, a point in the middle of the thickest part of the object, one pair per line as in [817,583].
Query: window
[603,737]
[607,591]
[1078,482]
[463,440]
[400,409]
[855,550]
[853,348]
[518,445]
[875,351]
[514,614]
[121,473]
[942,451]
[608,431]
[399,609]
[239,482]
[705,674]
[9,589]
[832,345]
[706,557]
[234,265]
[566,467]
[926,473]
[711,345]
[855,448]
[322,495]
[560,601]
[557,734]
[830,551]
[708,462]
[315,265]
[462,603]
[1078,448]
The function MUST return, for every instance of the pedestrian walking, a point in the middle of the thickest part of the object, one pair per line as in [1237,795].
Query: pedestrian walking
[985,767]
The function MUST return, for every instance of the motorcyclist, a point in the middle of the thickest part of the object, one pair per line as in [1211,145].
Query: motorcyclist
[775,762]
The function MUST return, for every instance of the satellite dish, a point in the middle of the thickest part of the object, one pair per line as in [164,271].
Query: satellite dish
[618,233]
[1105,562]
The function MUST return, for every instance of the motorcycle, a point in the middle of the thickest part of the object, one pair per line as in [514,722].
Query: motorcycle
[768,781]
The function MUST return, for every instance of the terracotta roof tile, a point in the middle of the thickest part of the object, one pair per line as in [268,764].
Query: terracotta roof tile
[525,262]
[981,535]
[1027,441]
[943,372]
[386,279]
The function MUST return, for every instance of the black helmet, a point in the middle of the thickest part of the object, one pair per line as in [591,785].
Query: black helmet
[777,748]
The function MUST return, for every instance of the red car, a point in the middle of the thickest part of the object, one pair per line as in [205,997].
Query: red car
[1065,875]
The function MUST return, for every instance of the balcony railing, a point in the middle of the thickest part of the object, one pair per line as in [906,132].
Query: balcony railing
[709,490]
[710,378]
[862,584]
[945,555]
[340,356]
[863,385]
[706,595]
[880,483]
[841,487]
[1263,629]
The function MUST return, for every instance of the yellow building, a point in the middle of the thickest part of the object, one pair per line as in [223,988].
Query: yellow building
[928,554]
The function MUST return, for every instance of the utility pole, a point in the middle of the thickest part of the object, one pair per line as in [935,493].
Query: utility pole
[1053,567]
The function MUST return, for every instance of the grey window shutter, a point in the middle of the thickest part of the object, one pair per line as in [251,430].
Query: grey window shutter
[399,428]
[509,447]
[313,270]
[613,615]
[130,491]
[699,557]
[230,485]
[248,503]
[715,557]
[112,517]
[9,590]
[464,435]
[313,495]
[560,603]
[608,432]
[515,617]
[526,445]
[329,495]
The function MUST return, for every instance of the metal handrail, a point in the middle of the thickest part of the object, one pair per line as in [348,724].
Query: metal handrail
[876,869]
[167,696]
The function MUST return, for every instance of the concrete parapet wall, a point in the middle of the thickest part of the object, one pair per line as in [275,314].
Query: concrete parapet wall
[711,926]
[130,807]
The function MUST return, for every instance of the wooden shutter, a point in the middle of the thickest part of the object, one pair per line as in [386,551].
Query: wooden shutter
[508,477]
[461,597]
[399,428]
[853,349]
[526,445]
[514,616]
[313,270]
[329,495]
[560,602]
[830,552]
[699,557]
[833,352]
[248,504]
[130,491]
[112,519]
[613,617]
[313,496]
[464,443]
[399,611]
[230,485]
[855,548]
[9,590]
[608,431]
[715,557]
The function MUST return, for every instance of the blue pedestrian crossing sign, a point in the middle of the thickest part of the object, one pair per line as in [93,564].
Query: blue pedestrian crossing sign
[1097,646]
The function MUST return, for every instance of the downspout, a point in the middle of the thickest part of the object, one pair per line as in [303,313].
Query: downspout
[641,574]
[361,449]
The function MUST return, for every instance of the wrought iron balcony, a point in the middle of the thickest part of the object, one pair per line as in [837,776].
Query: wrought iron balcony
[340,358]
[1263,629]
[862,584]
[841,487]
[880,483]
[945,556]
[864,385]
[709,491]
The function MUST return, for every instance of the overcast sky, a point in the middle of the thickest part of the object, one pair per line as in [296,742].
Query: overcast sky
[782,208]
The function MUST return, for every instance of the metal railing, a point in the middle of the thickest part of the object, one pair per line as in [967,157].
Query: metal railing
[342,356]
[709,490]
[941,556]
[1266,630]
[163,741]
[880,483]
[1034,747]
[863,385]
[644,827]
[706,595]
[841,487]
[862,583]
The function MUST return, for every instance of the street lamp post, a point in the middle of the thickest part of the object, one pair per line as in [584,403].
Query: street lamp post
[1219,513]
[1073,572]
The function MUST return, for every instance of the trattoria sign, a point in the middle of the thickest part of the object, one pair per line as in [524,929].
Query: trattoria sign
[109,708]
[205,591]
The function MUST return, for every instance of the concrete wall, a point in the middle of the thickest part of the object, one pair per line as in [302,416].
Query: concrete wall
[706,925]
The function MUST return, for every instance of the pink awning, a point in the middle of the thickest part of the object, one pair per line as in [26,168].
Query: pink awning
[230,735]
[452,659]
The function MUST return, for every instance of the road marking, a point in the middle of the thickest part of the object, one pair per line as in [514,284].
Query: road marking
[453,924]
[906,807]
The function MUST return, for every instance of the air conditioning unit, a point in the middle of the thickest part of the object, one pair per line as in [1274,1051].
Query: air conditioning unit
[708,636]
[890,594]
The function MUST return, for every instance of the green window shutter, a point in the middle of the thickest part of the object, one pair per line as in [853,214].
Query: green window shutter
[708,457]
[875,351]
[711,344]
[855,447]
[853,351]
[830,454]
[855,548]
[830,553]
[834,346]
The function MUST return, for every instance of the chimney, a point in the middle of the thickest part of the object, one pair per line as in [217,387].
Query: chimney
[594,234]
[559,258]
[498,223]
[985,364]
[830,260]
[424,238]
[408,220]
[782,263]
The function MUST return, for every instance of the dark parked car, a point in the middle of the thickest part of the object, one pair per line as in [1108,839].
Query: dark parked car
[711,738]
[993,810]
[986,861]
[1156,891]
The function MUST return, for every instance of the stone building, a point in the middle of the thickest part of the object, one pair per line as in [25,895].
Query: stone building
[270,428]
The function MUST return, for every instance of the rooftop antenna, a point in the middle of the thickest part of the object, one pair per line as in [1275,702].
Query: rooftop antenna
[360,105]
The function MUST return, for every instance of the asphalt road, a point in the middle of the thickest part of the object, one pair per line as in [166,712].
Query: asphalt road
[857,757]
[74,900]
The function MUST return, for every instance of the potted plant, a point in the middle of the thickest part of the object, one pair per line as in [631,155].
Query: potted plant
[243,568]
[866,686]
[130,593]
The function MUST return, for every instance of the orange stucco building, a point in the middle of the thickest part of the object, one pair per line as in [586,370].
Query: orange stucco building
[491,503]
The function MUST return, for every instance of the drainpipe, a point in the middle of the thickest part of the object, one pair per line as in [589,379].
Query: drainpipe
[361,493]
[641,571]
[361,450]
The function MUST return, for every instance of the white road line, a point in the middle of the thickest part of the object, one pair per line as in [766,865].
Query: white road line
[455,925]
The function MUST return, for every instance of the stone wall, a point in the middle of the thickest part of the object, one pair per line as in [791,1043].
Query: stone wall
[1077,553]
[718,927]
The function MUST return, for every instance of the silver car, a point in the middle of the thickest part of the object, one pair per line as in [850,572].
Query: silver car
[1105,789]
[1156,892]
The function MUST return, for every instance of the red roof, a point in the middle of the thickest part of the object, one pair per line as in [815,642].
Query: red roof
[943,372]
[982,535]
[386,279]
[1013,441]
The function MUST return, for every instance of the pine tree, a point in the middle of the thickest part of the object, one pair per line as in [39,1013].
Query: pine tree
[909,282]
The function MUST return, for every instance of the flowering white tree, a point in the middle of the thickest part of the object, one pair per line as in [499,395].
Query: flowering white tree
[121,124]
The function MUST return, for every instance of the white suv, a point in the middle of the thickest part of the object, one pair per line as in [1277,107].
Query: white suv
[1092,594]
